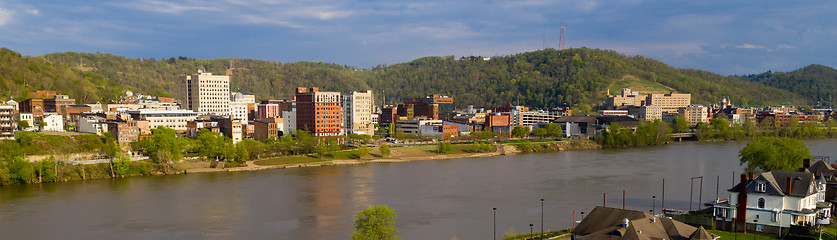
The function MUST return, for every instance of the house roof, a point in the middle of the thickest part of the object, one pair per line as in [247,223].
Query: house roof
[702,234]
[802,184]
[822,168]
[607,224]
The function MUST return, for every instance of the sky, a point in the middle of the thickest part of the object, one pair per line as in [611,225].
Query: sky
[726,37]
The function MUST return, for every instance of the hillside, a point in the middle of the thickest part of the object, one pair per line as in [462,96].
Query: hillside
[816,83]
[20,74]
[545,78]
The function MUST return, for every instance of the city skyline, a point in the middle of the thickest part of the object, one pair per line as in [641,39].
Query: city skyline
[726,38]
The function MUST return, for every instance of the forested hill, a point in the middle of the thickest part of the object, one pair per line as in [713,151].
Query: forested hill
[553,77]
[817,83]
[20,74]
[545,78]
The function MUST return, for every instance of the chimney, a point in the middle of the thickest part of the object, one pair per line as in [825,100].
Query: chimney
[741,209]
[751,176]
[806,163]
[789,185]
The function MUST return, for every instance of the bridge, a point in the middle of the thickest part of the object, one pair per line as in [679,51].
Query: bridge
[681,136]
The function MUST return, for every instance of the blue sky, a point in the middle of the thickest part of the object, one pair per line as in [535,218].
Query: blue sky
[727,37]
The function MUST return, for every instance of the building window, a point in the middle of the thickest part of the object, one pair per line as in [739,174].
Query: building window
[760,187]
[775,217]
[761,203]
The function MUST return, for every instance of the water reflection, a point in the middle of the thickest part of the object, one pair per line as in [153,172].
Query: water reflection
[433,199]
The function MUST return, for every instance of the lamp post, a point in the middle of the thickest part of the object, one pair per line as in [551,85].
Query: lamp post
[495,224]
[541,215]
[653,204]
[531,229]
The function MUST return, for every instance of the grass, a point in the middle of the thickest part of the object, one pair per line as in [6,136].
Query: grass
[636,85]
[351,154]
[743,236]
[427,149]
[530,140]
[288,160]
[545,235]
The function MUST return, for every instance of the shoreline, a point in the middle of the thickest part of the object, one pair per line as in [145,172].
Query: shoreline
[502,149]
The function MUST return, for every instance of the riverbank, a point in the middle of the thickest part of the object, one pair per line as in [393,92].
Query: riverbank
[403,154]
[76,172]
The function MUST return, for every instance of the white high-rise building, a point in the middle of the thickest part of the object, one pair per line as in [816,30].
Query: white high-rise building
[206,94]
[357,113]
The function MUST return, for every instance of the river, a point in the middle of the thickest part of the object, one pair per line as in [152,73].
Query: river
[443,199]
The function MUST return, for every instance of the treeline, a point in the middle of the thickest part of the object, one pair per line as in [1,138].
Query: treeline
[817,83]
[656,132]
[539,79]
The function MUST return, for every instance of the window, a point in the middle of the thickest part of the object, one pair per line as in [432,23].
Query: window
[775,217]
[761,203]
[760,187]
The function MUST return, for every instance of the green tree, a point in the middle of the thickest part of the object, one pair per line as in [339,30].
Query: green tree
[363,151]
[45,169]
[211,145]
[721,128]
[540,132]
[121,164]
[553,130]
[23,125]
[774,154]
[322,149]
[385,151]
[375,223]
[681,125]
[520,132]
[18,170]
[165,146]
[444,148]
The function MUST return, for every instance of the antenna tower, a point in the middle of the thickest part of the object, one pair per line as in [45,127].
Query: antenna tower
[561,44]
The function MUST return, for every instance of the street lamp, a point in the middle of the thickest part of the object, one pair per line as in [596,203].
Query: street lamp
[653,204]
[495,223]
[531,229]
[541,215]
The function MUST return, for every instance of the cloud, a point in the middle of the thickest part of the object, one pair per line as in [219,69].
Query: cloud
[255,19]
[750,46]
[784,46]
[440,32]
[5,16]
[165,7]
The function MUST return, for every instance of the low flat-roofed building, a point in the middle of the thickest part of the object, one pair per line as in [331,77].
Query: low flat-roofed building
[267,128]
[92,124]
[414,125]
[174,119]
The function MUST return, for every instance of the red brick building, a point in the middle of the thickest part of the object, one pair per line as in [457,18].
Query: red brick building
[319,113]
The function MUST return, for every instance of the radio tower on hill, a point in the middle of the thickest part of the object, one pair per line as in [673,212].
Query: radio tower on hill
[561,43]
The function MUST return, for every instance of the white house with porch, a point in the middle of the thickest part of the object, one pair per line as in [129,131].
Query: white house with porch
[776,199]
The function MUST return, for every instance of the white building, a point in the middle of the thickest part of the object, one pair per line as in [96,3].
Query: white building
[776,200]
[240,106]
[53,123]
[28,117]
[647,113]
[289,122]
[174,119]
[92,124]
[357,113]
[206,94]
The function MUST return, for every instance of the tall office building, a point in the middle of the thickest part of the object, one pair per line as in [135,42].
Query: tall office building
[357,112]
[319,113]
[206,94]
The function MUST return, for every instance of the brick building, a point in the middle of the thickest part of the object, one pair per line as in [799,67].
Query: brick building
[319,113]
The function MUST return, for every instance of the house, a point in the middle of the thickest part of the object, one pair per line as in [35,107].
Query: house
[604,223]
[575,126]
[774,201]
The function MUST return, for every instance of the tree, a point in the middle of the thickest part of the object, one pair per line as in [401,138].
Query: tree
[774,154]
[23,125]
[444,148]
[540,132]
[520,132]
[164,146]
[553,130]
[375,223]
[385,151]
[681,125]
[363,151]
[721,127]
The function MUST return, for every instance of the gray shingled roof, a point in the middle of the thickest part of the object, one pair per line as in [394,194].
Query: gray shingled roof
[606,224]
[776,181]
